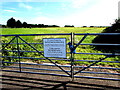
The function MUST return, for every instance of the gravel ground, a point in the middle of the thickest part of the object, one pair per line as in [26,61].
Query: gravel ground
[26,81]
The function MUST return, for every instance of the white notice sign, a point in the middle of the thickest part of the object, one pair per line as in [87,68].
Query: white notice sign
[55,47]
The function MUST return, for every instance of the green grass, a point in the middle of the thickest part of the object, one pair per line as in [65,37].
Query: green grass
[83,49]
[50,30]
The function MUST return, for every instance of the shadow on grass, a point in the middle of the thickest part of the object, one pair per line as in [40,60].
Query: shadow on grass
[27,83]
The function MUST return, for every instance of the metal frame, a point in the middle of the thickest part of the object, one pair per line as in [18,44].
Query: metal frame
[72,46]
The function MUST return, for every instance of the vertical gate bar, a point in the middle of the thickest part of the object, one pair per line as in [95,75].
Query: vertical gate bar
[72,57]
[43,55]
[18,49]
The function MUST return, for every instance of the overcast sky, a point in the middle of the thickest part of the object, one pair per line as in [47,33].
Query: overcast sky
[61,12]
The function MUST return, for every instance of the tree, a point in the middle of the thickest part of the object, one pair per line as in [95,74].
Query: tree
[11,23]
[18,24]
[69,26]
[25,25]
[110,39]
[40,25]
[3,26]
[84,26]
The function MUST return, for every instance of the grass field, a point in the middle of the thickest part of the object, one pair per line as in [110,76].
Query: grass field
[83,49]
[50,30]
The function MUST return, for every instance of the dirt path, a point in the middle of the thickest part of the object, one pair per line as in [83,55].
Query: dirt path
[25,81]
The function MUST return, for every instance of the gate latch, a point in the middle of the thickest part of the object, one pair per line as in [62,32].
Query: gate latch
[72,48]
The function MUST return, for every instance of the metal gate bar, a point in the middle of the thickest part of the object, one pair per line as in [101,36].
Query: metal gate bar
[91,65]
[43,56]
[65,66]
[72,46]
[17,37]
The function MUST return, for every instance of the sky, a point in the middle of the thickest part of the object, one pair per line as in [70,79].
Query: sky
[60,12]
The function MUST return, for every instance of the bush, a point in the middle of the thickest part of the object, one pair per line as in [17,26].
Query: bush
[109,39]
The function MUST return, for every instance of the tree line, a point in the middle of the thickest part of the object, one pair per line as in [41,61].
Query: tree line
[12,23]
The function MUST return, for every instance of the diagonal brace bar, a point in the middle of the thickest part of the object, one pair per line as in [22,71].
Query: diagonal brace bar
[72,47]
[43,55]
[6,46]
[8,43]
[91,64]
[80,41]
[30,45]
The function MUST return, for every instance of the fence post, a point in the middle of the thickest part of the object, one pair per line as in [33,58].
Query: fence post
[72,56]
[18,49]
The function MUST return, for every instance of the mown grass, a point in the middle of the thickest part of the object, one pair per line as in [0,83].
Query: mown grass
[82,48]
